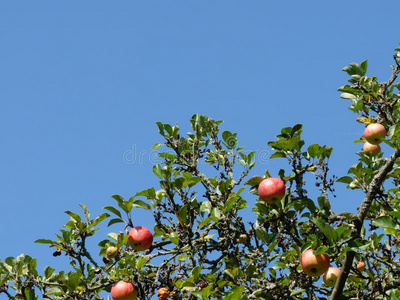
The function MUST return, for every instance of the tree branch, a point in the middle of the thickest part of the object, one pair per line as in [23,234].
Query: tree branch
[373,189]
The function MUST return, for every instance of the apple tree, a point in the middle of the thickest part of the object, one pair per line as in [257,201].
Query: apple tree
[221,232]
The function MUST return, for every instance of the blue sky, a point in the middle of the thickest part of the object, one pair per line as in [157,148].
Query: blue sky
[83,83]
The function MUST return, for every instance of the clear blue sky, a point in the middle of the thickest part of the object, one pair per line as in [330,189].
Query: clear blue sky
[83,83]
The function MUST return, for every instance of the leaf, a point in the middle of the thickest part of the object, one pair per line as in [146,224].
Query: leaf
[44,241]
[356,70]
[326,229]
[235,293]
[114,221]
[75,216]
[197,294]
[183,214]
[120,200]
[278,154]
[85,212]
[113,210]
[385,222]
[230,139]
[255,180]
[99,219]
[141,204]
[174,238]
[296,292]
[345,179]
[313,150]
[204,222]
[157,145]
[205,206]
[195,273]
[158,171]
[394,131]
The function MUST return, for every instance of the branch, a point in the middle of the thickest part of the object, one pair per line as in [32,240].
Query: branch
[373,189]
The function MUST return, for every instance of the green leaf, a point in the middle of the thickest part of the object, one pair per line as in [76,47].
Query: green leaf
[313,150]
[85,212]
[174,238]
[114,221]
[345,179]
[356,69]
[141,261]
[326,229]
[205,206]
[75,216]
[278,154]
[197,294]
[204,222]
[296,292]
[229,139]
[255,180]
[324,203]
[183,213]
[158,171]
[73,281]
[48,271]
[99,219]
[196,273]
[44,241]
[157,145]
[113,210]
[235,293]
[141,204]
[385,222]
[394,131]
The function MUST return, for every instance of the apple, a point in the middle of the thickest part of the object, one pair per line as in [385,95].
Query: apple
[375,133]
[271,190]
[112,251]
[140,238]
[242,238]
[361,266]
[371,149]
[331,276]
[314,265]
[123,290]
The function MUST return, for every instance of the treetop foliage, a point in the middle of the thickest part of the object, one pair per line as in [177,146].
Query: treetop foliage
[205,248]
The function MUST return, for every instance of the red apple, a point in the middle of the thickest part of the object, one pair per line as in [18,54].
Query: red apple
[331,276]
[314,265]
[271,190]
[140,238]
[371,149]
[375,133]
[123,290]
[361,266]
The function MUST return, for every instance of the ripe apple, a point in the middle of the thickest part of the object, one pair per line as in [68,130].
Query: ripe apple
[112,251]
[124,290]
[371,149]
[331,276]
[314,265]
[361,266]
[271,190]
[140,238]
[375,133]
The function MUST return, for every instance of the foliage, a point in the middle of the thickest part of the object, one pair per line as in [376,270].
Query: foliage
[205,249]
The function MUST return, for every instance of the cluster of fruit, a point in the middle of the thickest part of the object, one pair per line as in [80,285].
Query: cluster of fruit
[374,134]
[140,239]
[315,265]
[272,190]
